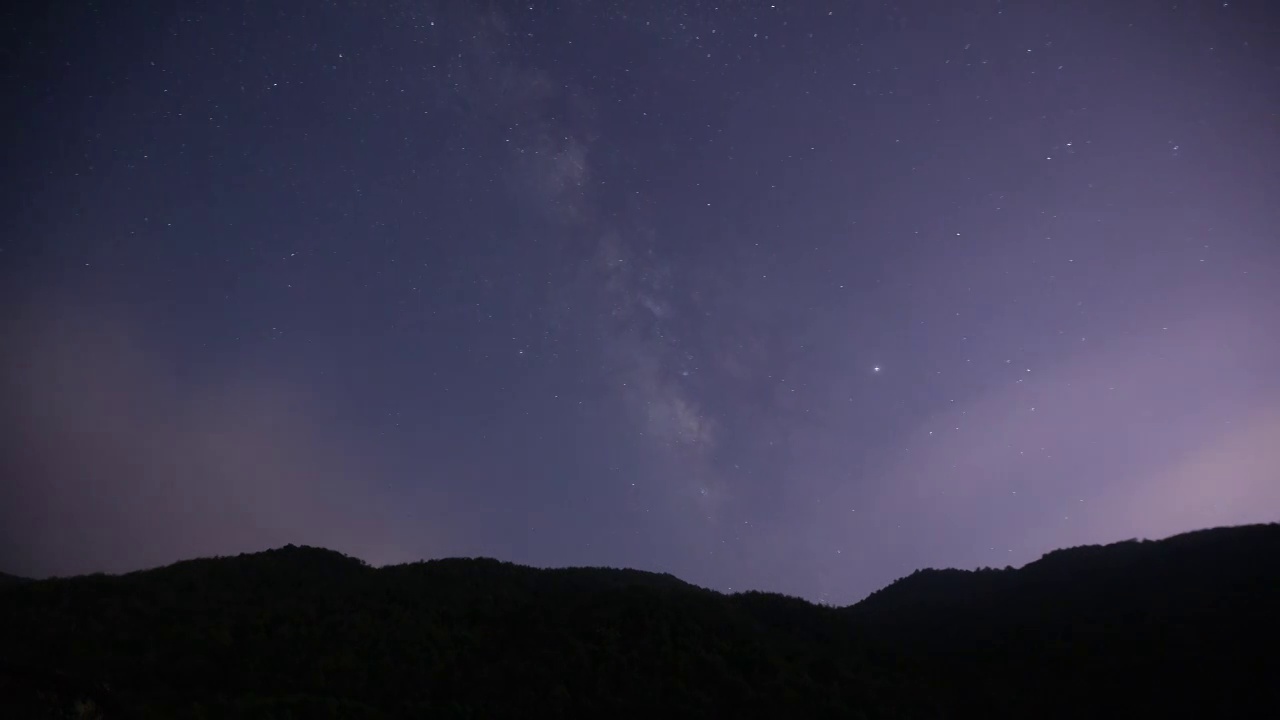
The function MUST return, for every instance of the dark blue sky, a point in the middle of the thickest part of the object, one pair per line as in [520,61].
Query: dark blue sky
[788,296]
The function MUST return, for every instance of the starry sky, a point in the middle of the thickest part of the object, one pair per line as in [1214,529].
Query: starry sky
[794,296]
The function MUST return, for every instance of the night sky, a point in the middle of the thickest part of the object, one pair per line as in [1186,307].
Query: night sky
[797,297]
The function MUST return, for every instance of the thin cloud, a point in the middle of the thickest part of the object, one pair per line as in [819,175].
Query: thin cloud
[117,459]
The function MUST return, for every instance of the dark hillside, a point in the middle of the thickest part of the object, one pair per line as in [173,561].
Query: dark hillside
[1185,622]
[300,632]
[1178,627]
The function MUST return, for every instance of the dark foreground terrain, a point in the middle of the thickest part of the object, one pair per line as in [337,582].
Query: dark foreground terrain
[1182,627]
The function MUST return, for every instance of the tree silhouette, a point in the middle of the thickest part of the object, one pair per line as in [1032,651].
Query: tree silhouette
[1176,627]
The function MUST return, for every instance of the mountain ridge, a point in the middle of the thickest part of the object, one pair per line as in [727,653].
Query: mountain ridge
[317,554]
[299,631]
[1110,557]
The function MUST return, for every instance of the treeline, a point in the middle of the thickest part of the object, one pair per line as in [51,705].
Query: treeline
[1147,628]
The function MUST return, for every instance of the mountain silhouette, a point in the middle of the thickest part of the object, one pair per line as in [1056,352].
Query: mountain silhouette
[1180,627]
[1171,627]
